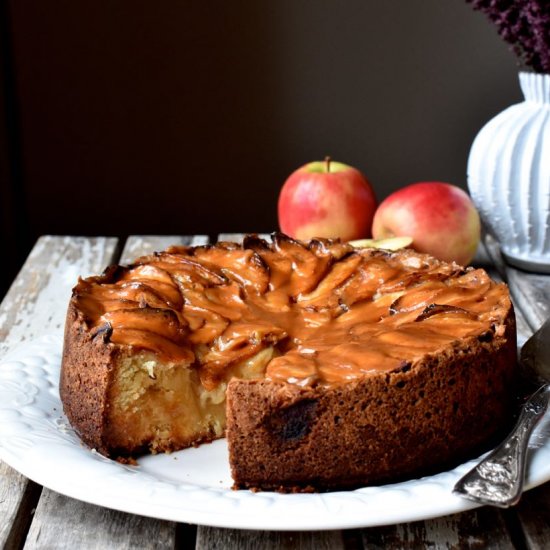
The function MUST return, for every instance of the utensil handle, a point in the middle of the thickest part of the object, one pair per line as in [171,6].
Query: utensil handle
[498,479]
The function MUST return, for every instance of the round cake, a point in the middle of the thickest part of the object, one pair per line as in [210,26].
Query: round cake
[326,366]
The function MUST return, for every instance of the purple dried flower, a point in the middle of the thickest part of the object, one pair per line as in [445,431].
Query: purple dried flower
[525,24]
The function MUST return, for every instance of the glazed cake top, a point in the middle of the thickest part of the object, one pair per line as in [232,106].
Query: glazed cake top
[333,313]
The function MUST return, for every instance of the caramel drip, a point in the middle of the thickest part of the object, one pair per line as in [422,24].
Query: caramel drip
[334,313]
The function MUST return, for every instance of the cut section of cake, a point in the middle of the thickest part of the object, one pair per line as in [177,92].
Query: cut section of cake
[341,366]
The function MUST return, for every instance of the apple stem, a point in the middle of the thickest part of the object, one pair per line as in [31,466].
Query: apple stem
[328,160]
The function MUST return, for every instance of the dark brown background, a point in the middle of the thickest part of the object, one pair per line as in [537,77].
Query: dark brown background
[186,117]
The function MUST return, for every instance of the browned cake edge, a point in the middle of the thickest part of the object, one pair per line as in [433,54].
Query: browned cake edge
[384,427]
[86,374]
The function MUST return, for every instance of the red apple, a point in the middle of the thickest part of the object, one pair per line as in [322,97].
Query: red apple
[440,218]
[326,199]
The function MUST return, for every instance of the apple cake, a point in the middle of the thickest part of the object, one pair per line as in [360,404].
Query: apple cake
[326,366]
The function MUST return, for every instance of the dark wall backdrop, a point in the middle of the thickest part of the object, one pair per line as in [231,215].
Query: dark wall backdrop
[186,117]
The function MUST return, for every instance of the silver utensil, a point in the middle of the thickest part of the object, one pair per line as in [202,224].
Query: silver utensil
[499,478]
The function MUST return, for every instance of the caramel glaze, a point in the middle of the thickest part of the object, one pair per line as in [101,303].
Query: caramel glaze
[333,313]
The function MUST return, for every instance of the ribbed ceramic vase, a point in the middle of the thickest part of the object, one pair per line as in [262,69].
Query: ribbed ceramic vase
[509,176]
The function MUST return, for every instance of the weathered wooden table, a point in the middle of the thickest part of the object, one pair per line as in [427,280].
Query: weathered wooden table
[32,516]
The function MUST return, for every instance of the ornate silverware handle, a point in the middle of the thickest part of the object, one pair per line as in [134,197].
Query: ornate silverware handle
[498,479]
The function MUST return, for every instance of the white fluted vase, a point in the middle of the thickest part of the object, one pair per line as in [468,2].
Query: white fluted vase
[509,176]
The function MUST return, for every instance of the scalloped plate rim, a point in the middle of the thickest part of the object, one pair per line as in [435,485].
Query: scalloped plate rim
[147,491]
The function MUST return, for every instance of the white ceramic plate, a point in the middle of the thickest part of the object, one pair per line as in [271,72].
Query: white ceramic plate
[194,485]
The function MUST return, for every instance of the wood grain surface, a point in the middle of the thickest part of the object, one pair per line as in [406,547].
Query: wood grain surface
[533,514]
[211,538]
[85,525]
[62,522]
[484,528]
[36,302]
[140,245]
[531,291]
[36,305]
[18,498]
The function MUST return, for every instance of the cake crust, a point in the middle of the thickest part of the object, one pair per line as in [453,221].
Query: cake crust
[342,368]
[86,376]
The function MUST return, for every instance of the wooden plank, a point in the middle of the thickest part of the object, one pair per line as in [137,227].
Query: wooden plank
[484,528]
[85,525]
[531,295]
[36,305]
[533,513]
[140,245]
[36,302]
[18,498]
[238,237]
[74,524]
[531,291]
[211,538]
[485,259]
